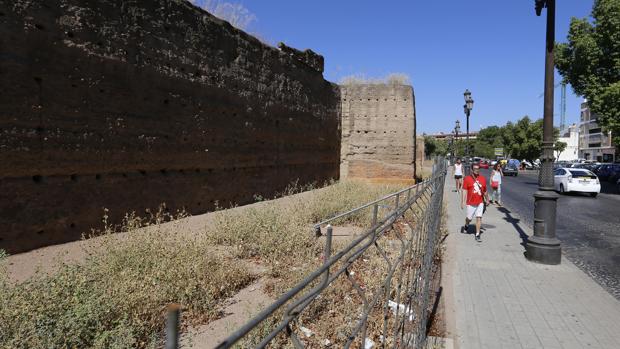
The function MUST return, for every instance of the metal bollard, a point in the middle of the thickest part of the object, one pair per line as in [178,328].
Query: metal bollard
[172,326]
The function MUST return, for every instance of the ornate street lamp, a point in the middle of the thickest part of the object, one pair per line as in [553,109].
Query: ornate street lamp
[544,247]
[457,129]
[467,107]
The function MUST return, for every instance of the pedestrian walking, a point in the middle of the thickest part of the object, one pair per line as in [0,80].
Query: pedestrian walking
[458,174]
[474,197]
[496,185]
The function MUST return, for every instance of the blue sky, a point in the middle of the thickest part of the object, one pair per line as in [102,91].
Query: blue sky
[493,48]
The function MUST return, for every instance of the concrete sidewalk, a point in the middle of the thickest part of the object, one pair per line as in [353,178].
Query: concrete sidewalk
[495,298]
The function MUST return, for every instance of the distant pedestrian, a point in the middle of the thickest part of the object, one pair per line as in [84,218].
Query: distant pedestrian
[458,174]
[474,197]
[496,185]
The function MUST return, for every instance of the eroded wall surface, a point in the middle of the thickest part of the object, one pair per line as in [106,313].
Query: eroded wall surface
[126,105]
[378,132]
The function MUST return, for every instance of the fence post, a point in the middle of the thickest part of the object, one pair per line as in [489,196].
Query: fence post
[396,203]
[328,249]
[172,326]
[375,211]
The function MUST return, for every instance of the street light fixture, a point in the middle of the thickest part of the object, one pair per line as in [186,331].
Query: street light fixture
[543,246]
[467,107]
[457,129]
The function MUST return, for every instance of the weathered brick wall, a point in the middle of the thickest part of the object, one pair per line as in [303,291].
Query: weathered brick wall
[419,154]
[378,132]
[127,104]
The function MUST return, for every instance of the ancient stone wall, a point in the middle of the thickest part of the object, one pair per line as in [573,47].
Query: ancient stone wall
[125,105]
[378,132]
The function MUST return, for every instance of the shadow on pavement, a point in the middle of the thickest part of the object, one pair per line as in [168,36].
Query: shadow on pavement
[515,223]
[609,188]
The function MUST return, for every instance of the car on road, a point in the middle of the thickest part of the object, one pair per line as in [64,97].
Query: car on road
[511,170]
[576,180]
[484,164]
[608,172]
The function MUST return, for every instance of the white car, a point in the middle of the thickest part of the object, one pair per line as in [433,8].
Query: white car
[576,180]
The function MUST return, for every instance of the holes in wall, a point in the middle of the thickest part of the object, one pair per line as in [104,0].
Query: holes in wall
[40,232]
[39,26]
[197,170]
[142,172]
[70,34]
[38,80]
[37,178]
[124,175]
[73,85]
[164,171]
[73,178]
[39,129]
[166,101]
[72,225]
[97,176]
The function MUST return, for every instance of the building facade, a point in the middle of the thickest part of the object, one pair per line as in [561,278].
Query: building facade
[594,143]
[570,136]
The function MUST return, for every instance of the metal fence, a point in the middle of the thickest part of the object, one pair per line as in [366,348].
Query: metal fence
[373,292]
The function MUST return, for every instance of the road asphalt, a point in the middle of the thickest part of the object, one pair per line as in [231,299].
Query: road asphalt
[589,228]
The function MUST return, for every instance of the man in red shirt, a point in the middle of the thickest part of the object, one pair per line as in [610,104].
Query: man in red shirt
[474,196]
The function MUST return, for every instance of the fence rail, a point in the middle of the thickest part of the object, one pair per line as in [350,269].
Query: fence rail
[386,303]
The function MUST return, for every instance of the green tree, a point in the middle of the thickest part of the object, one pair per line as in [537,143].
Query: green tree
[559,148]
[590,62]
[433,146]
[492,136]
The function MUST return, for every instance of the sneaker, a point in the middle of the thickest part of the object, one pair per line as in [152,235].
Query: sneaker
[464,229]
[478,238]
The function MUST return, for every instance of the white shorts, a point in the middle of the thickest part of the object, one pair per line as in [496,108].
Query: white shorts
[475,211]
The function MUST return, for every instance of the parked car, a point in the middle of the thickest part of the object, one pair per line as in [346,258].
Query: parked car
[511,170]
[484,164]
[576,180]
[608,171]
[618,186]
[614,173]
[528,165]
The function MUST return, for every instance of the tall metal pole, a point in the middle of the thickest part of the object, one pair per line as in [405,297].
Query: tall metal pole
[544,247]
[467,150]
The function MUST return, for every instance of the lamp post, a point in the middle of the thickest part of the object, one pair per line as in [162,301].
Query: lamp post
[467,107]
[457,128]
[544,247]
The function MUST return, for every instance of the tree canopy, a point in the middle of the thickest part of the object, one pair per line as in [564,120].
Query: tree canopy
[520,140]
[590,62]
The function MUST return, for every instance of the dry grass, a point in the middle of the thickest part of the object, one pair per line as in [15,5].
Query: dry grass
[116,297]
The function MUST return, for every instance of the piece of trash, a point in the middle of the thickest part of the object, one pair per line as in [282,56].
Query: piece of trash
[327,342]
[352,273]
[401,308]
[307,332]
[368,343]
